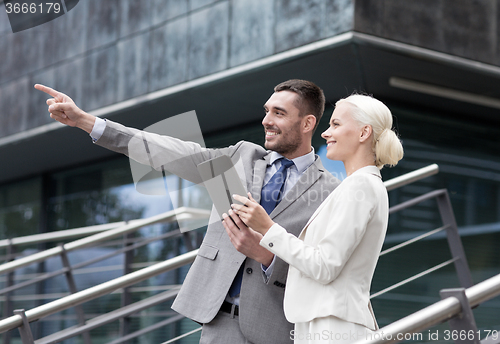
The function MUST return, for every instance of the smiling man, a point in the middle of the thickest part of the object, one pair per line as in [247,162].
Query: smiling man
[235,287]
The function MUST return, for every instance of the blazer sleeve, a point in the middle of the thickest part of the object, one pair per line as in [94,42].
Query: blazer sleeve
[160,151]
[336,232]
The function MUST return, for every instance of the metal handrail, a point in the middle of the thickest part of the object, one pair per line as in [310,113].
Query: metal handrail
[36,278]
[411,177]
[62,235]
[413,278]
[97,291]
[434,314]
[187,334]
[179,214]
[415,239]
[132,278]
[83,231]
[453,237]
[416,200]
[113,316]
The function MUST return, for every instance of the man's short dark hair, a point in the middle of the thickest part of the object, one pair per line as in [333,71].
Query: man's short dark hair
[311,97]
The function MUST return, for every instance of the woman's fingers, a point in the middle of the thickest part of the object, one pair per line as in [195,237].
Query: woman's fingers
[237,207]
[241,209]
[241,199]
[251,198]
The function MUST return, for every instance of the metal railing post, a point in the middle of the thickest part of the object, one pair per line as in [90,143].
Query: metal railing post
[463,326]
[24,329]
[80,315]
[454,241]
[126,298]
[7,306]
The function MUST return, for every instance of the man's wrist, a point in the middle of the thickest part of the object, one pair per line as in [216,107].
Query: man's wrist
[86,122]
[266,261]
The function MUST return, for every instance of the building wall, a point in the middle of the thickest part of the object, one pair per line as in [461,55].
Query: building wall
[104,52]
[462,28]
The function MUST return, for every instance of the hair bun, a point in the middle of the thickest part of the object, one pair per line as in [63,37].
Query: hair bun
[383,134]
[388,149]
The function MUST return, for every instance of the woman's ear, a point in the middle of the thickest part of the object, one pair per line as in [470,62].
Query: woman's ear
[366,133]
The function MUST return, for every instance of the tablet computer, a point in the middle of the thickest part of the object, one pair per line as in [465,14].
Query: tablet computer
[222,181]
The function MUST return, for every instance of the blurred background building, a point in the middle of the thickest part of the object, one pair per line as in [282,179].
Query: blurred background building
[435,63]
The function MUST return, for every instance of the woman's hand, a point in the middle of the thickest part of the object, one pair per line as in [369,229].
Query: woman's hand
[245,240]
[252,214]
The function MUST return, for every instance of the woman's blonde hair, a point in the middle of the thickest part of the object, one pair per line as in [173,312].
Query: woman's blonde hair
[387,147]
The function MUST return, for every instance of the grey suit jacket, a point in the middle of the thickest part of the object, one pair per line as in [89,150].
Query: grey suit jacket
[261,314]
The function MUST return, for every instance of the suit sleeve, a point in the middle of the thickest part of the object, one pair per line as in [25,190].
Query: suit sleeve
[340,226]
[159,151]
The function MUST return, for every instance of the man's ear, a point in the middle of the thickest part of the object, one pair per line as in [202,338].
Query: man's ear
[366,133]
[309,122]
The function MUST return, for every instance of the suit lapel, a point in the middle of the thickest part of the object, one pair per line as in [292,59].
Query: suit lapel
[259,173]
[308,178]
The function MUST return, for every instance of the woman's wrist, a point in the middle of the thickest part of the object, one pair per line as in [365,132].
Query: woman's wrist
[267,227]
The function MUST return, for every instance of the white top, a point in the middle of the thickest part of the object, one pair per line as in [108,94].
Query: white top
[333,259]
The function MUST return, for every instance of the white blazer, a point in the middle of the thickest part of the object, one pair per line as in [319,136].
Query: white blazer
[333,259]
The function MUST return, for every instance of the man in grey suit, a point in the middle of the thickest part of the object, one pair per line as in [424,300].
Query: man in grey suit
[235,287]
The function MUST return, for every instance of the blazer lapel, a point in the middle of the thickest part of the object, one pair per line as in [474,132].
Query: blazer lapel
[308,178]
[259,173]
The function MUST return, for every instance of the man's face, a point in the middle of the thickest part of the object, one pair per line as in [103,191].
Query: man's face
[282,123]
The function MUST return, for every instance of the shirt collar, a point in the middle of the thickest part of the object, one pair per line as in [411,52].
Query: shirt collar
[301,162]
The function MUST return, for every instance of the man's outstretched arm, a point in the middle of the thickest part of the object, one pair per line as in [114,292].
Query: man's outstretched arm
[64,110]
[162,152]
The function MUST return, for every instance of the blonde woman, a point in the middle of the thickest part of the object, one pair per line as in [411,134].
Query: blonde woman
[333,259]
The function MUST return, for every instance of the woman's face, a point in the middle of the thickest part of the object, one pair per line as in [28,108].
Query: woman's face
[343,135]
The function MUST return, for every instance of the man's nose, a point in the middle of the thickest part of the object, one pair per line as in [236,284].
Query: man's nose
[266,120]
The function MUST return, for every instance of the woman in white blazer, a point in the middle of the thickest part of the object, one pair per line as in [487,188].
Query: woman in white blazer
[333,259]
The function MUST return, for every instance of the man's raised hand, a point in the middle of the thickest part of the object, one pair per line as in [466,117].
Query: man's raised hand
[64,110]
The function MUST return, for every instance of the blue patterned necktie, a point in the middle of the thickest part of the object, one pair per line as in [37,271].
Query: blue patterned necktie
[271,195]
[272,192]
